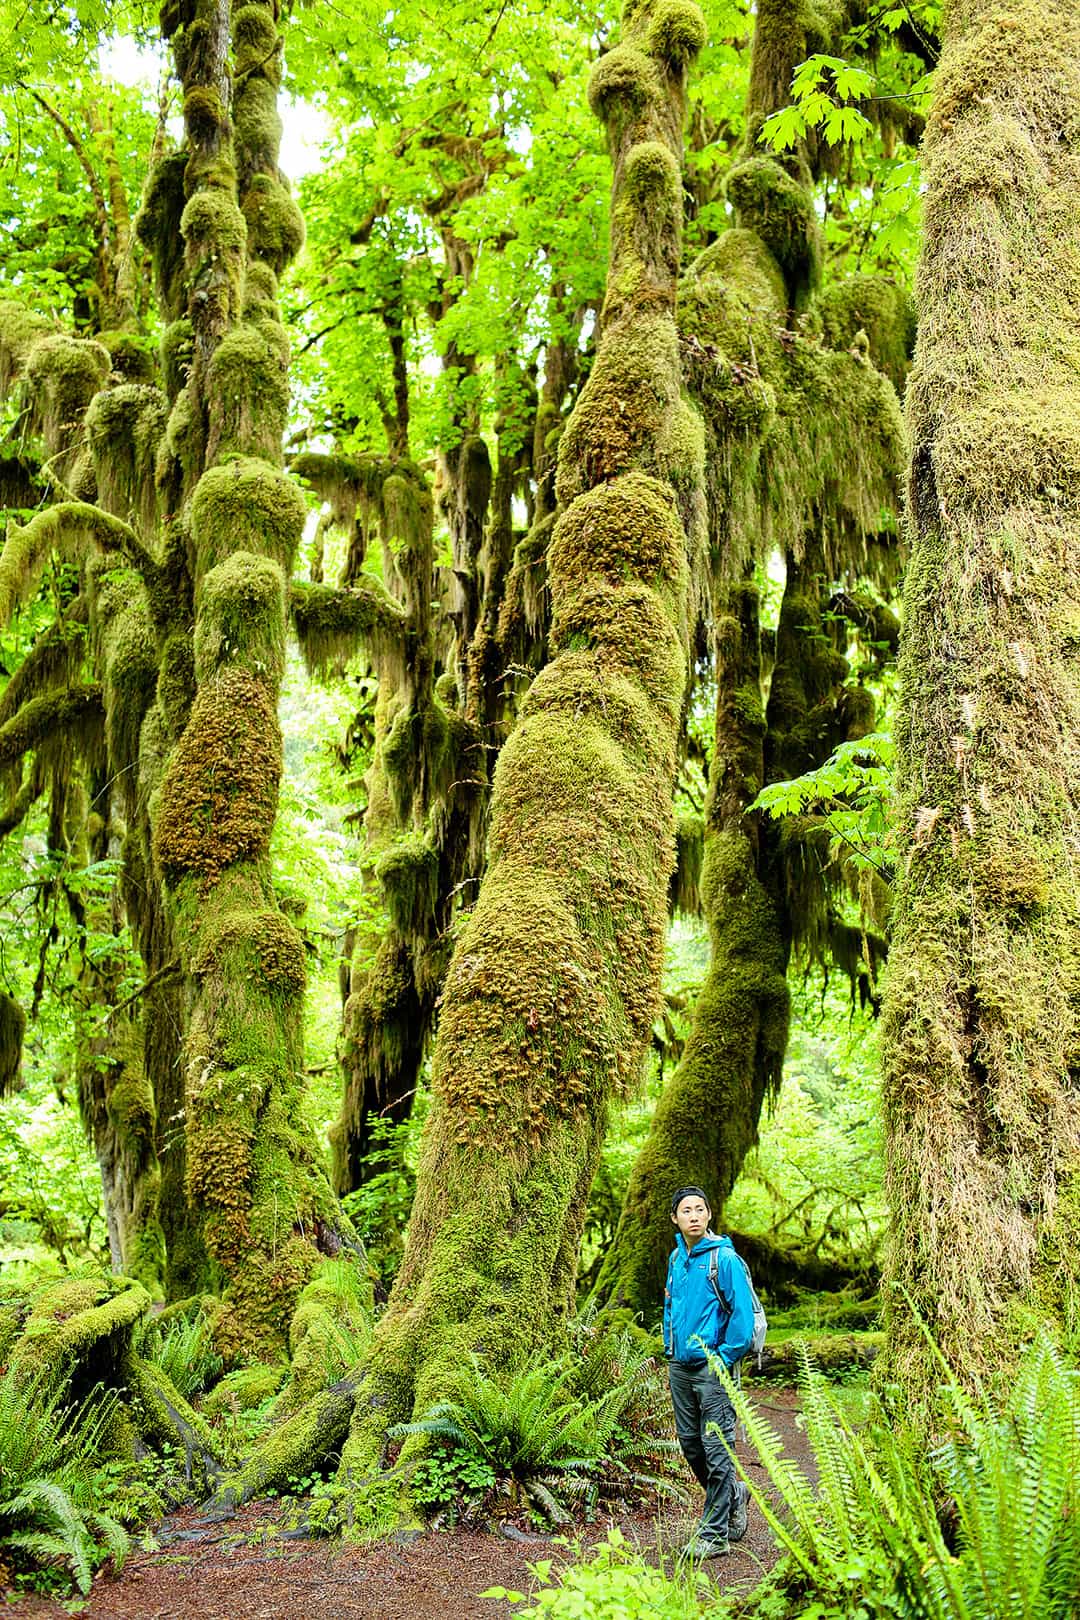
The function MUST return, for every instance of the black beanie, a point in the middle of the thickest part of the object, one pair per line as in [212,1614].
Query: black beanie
[687,1192]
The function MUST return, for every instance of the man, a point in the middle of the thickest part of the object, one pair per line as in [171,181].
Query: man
[700,1317]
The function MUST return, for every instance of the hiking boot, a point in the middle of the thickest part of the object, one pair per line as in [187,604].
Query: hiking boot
[740,1507]
[701,1547]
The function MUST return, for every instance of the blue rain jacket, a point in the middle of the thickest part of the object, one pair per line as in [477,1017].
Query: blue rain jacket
[692,1310]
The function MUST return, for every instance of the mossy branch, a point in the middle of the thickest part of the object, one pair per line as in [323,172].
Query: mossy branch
[43,717]
[51,661]
[334,624]
[65,527]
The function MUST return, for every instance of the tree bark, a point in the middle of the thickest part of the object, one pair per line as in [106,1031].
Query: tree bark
[552,988]
[981,1053]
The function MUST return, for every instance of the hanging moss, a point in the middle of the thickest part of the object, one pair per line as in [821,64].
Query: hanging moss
[334,625]
[241,619]
[158,227]
[127,650]
[685,893]
[124,426]
[176,684]
[409,875]
[12,1029]
[248,386]
[180,452]
[275,223]
[177,352]
[62,375]
[245,505]
[260,292]
[219,795]
[20,329]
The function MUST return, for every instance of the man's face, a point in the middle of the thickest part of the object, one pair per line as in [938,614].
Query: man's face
[692,1218]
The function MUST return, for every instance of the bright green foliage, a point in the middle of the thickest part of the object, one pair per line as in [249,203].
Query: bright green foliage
[613,1579]
[874,1528]
[49,1490]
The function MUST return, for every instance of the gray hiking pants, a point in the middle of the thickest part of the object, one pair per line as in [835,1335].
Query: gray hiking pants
[700,1403]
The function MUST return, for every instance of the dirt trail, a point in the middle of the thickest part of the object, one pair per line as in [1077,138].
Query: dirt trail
[238,1569]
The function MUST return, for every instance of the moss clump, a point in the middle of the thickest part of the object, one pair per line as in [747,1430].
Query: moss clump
[248,389]
[676,33]
[329,1329]
[618,421]
[685,895]
[262,942]
[215,241]
[260,292]
[245,505]
[409,875]
[132,355]
[12,1029]
[240,620]
[877,306]
[258,129]
[780,211]
[275,224]
[20,329]
[244,1389]
[219,795]
[62,375]
[124,427]
[624,77]
[256,47]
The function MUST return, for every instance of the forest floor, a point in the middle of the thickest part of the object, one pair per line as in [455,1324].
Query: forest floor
[241,1569]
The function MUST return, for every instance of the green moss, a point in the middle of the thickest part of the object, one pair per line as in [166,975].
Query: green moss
[176,683]
[205,115]
[121,623]
[219,795]
[132,355]
[260,292]
[124,426]
[409,875]
[876,306]
[244,1389]
[245,505]
[676,33]
[240,620]
[20,329]
[62,375]
[215,236]
[257,942]
[780,211]
[177,352]
[248,388]
[275,223]
[622,410]
[624,75]
[255,41]
[258,125]
[12,1029]
[685,893]
[158,227]
[334,625]
[79,1330]
[329,1329]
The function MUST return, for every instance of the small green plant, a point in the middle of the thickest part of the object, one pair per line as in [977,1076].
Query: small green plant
[614,1581]
[552,1432]
[185,1353]
[449,1477]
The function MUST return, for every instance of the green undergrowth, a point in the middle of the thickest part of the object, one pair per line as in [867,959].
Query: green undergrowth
[979,1522]
[554,1441]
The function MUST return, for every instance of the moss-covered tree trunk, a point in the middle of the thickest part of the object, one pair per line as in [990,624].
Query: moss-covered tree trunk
[254,1177]
[707,1117]
[551,991]
[981,1060]
[771,479]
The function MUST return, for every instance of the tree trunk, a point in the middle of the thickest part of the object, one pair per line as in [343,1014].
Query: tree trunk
[706,1120]
[552,988]
[981,1040]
